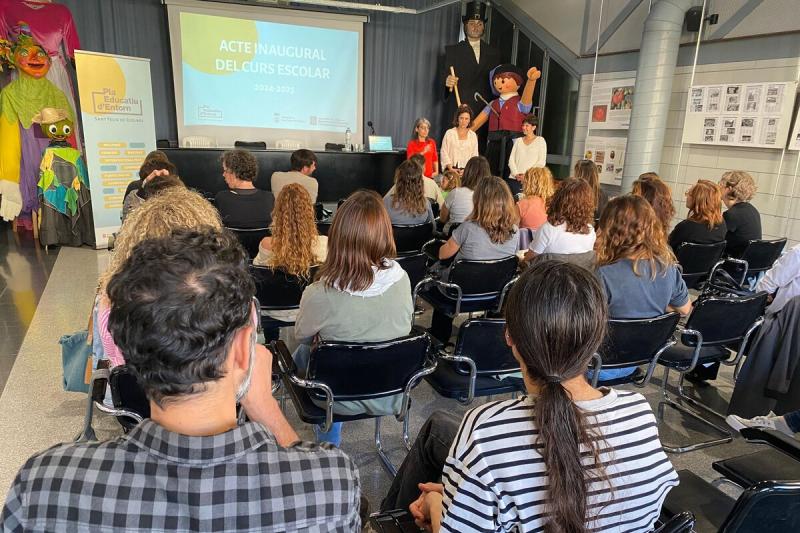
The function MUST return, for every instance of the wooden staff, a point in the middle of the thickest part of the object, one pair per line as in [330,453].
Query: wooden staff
[455,87]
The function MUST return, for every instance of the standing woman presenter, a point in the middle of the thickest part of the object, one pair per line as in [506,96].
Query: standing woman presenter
[420,143]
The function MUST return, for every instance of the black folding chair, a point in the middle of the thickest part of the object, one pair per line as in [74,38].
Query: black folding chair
[250,239]
[633,342]
[477,365]
[698,260]
[714,325]
[767,506]
[759,256]
[409,239]
[473,286]
[277,290]
[779,460]
[343,371]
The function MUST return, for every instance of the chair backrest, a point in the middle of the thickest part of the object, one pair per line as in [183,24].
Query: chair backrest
[483,340]
[277,290]
[697,260]
[359,371]
[251,145]
[483,278]
[634,341]
[724,320]
[415,265]
[434,207]
[250,239]
[324,227]
[410,238]
[761,254]
[126,393]
[768,507]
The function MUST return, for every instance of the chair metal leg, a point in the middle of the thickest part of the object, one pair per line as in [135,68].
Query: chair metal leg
[675,403]
[381,453]
[406,439]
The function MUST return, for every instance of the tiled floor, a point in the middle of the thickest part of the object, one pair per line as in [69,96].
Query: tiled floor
[36,413]
[24,271]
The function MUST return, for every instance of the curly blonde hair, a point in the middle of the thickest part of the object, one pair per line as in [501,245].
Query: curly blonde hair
[538,181]
[494,209]
[177,207]
[293,231]
[738,185]
[630,229]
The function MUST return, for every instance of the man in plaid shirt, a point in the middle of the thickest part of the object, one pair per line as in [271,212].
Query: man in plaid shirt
[183,315]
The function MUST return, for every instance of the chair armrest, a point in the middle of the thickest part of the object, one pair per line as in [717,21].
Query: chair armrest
[504,292]
[776,439]
[695,353]
[744,344]
[430,366]
[473,372]
[98,384]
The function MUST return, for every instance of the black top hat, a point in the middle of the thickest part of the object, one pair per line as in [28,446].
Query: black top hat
[475,11]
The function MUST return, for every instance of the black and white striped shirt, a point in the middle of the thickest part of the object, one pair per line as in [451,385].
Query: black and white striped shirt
[495,478]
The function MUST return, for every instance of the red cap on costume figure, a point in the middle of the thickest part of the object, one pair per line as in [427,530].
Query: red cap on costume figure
[475,11]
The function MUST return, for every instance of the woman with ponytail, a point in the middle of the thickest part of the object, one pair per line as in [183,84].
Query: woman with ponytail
[565,458]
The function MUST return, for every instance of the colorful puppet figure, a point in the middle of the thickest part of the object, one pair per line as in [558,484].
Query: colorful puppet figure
[505,113]
[21,145]
[66,213]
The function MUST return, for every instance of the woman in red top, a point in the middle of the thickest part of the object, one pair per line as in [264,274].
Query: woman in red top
[420,143]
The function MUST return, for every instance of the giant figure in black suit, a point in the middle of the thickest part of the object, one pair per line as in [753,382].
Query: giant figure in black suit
[472,75]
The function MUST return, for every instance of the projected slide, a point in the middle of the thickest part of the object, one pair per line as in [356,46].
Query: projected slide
[255,74]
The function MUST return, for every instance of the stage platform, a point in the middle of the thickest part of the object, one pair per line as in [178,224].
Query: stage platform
[338,173]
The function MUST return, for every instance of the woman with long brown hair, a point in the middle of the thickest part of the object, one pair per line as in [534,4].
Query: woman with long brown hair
[490,232]
[586,170]
[361,294]
[568,230]
[650,187]
[561,458]
[406,202]
[636,266]
[704,224]
[458,204]
[538,187]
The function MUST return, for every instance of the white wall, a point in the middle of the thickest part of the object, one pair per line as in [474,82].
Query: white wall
[774,175]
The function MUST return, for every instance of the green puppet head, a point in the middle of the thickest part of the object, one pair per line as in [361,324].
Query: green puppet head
[55,123]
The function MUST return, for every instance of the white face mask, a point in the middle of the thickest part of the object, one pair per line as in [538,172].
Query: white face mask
[245,385]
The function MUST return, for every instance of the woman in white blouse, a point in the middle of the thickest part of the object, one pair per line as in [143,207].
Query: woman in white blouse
[529,151]
[460,143]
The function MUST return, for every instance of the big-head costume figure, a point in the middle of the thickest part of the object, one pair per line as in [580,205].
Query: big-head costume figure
[66,213]
[471,59]
[21,145]
[506,112]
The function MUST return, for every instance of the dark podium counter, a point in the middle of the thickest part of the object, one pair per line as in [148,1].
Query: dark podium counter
[338,173]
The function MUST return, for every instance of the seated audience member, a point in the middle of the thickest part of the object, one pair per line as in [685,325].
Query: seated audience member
[741,218]
[183,313]
[537,189]
[490,232]
[586,170]
[155,160]
[460,143]
[450,180]
[650,187]
[429,187]
[361,294]
[458,204]
[157,181]
[294,246]
[177,207]
[568,230]
[406,202]
[782,281]
[529,151]
[303,163]
[788,424]
[565,457]
[636,266]
[421,144]
[242,205]
[705,224]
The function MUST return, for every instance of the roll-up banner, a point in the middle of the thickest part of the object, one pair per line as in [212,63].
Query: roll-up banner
[116,98]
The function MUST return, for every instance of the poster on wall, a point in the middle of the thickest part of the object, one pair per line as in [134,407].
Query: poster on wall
[611,104]
[119,130]
[754,115]
[608,153]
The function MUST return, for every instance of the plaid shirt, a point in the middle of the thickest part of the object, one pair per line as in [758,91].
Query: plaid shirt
[153,479]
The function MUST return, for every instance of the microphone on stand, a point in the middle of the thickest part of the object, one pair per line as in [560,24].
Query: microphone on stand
[369,123]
